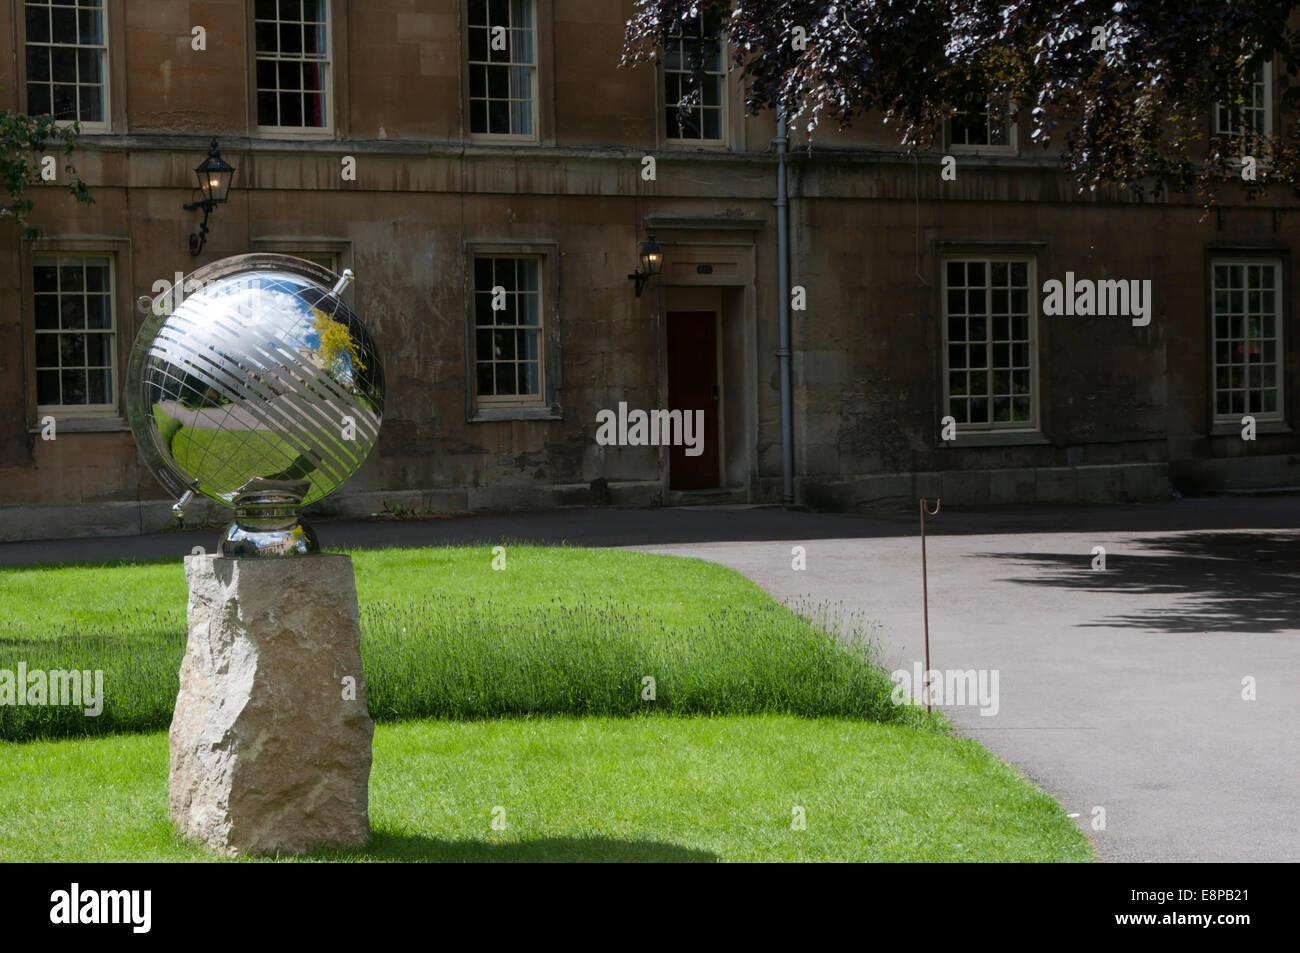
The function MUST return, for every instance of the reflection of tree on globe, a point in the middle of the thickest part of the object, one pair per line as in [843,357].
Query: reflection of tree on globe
[263,390]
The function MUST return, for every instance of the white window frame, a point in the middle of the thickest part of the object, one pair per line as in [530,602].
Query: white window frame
[328,86]
[1011,147]
[1034,423]
[1232,417]
[722,108]
[1222,115]
[473,64]
[511,400]
[115,371]
[106,81]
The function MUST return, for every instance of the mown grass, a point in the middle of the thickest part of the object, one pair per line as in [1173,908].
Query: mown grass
[599,789]
[558,631]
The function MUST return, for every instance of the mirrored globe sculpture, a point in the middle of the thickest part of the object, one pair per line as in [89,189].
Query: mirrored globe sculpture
[257,386]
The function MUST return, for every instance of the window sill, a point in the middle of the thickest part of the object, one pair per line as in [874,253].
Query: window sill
[83,424]
[1233,428]
[994,438]
[488,414]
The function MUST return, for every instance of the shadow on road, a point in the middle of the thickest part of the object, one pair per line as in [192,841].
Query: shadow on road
[1227,582]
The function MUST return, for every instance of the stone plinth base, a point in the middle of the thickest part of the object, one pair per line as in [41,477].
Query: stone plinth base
[270,741]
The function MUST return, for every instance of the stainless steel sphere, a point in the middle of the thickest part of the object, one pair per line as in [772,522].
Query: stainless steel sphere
[259,387]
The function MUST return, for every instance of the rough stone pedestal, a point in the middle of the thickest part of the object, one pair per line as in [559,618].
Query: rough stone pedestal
[270,741]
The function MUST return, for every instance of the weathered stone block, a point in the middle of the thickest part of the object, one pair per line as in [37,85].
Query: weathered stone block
[1012,486]
[1056,485]
[270,740]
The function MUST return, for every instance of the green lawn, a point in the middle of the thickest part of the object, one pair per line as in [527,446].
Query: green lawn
[560,630]
[522,689]
[664,788]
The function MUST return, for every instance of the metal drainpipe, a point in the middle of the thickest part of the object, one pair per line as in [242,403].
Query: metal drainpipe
[783,291]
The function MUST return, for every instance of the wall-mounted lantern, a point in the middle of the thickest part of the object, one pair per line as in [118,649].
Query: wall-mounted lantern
[215,175]
[652,259]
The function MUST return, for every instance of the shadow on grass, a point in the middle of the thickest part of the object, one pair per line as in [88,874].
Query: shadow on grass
[411,847]
[1221,582]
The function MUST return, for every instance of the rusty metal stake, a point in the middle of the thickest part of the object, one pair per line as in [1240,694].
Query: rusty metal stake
[925,599]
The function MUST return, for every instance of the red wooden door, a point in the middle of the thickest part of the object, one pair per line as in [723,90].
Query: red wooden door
[692,386]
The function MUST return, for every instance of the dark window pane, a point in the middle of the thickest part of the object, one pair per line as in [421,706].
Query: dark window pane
[712,124]
[290,38]
[291,109]
[91,103]
[265,33]
[38,63]
[505,273]
[478,116]
[63,62]
[63,24]
[46,277]
[264,10]
[290,10]
[482,274]
[503,345]
[96,277]
[38,24]
[72,350]
[498,117]
[73,314]
[65,102]
[478,44]
[528,310]
[478,81]
[289,74]
[47,387]
[70,278]
[88,27]
[265,74]
[313,76]
[266,113]
[38,99]
[47,350]
[527,378]
[478,11]
[97,350]
[47,312]
[74,386]
[97,312]
[484,379]
[956,273]
[482,345]
[314,103]
[99,390]
[505,380]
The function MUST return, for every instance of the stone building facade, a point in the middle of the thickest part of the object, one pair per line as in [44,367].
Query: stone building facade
[443,148]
